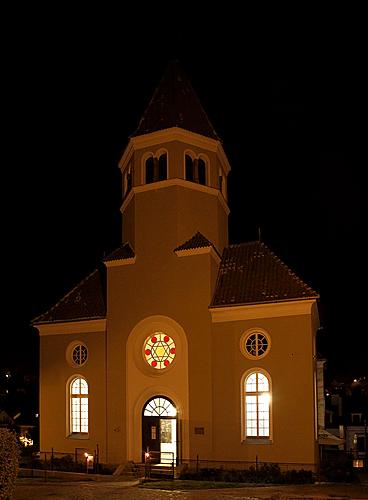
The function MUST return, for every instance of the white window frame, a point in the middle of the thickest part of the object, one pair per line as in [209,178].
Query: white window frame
[259,397]
[79,406]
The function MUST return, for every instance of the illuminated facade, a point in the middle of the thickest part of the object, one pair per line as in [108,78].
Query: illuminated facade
[181,344]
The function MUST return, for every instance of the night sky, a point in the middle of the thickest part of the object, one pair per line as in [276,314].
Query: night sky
[291,111]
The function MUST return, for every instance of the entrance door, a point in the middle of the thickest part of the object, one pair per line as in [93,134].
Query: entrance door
[159,430]
[151,438]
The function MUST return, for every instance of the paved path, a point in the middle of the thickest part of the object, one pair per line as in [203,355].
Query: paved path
[37,490]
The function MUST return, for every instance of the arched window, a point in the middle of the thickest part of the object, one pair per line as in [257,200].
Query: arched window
[195,170]
[156,168]
[160,407]
[257,402]
[162,167]
[189,168]
[79,405]
[128,180]
[201,171]
[150,177]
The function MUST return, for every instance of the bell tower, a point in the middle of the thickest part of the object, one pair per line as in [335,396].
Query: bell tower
[174,172]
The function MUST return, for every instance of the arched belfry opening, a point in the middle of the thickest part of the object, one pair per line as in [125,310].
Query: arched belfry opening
[160,430]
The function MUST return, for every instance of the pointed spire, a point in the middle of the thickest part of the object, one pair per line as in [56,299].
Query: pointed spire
[175,104]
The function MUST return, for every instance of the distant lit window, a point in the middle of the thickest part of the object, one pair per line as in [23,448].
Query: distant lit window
[257,400]
[159,350]
[255,344]
[79,354]
[79,405]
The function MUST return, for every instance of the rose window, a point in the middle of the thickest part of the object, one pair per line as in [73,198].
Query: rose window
[159,350]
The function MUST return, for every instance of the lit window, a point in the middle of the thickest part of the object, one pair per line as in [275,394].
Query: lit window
[79,405]
[160,407]
[257,405]
[159,350]
[79,354]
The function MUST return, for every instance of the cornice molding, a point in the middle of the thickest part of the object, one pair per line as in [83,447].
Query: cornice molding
[120,262]
[259,311]
[154,186]
[199,251]
[69,327]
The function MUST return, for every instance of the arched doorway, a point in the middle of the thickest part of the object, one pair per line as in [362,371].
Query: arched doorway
[160,430]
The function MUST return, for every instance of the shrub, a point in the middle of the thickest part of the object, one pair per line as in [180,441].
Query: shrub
[9,460]
[265,473]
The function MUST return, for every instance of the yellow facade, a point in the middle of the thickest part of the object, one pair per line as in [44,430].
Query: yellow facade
[166,288]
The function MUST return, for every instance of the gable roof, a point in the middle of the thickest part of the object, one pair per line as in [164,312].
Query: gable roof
[121,253]
[85,301]
[250,273]
[196,241]
[175,104]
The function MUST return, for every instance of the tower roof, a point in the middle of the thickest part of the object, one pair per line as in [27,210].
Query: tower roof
[175,104]
[250,273]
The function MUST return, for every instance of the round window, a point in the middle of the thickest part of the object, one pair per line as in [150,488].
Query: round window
[255,344]
[79,354]
[159,350]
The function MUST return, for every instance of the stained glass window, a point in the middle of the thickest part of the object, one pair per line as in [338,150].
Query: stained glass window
[257,405]
[79,405]
[159,350]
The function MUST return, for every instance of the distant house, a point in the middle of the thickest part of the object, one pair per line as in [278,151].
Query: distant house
[181,345]
[5,420]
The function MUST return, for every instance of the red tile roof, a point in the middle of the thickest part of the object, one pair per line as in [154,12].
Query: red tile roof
[123,252]
[175,104]
[85,301]
[250,273]
[196,241]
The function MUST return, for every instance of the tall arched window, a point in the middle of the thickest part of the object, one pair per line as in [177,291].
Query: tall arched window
[189,168]
[150,175]
[257,402]
[195,170]
[79,405]
[201,171]
[162,167]
[156,168]
[128,180]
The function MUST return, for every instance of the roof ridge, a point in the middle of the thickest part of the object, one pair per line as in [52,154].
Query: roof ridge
[64,297]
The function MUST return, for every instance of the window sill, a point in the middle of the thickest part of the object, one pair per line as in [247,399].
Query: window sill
[257,441]
[78,435]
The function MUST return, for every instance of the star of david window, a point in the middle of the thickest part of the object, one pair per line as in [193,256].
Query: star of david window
[159,350]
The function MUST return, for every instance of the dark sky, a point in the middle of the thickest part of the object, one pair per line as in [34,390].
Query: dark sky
[289,106]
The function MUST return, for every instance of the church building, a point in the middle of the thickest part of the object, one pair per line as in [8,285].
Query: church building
[180,345]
